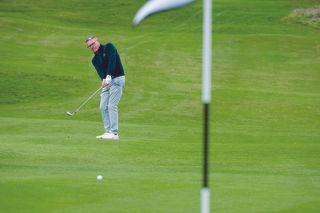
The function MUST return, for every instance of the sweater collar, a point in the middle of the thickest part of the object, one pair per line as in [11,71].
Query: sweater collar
[100,50]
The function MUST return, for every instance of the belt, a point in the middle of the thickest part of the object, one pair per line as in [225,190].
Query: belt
[112,77]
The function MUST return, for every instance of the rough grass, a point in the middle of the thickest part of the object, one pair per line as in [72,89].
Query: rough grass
[306,16]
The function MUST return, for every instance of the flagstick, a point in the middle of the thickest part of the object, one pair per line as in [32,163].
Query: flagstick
[206,97]
[154,6]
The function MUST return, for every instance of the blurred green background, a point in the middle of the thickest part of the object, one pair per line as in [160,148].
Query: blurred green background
[265,115]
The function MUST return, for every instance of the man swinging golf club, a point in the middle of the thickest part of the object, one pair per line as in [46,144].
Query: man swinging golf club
[107,62]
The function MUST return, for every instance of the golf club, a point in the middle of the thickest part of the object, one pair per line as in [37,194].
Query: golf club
[81,105]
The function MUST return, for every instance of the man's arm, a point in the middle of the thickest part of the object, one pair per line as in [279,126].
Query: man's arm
[111,53]
[100,72]
[105,80]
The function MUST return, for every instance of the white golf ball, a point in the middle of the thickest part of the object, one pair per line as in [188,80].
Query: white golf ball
[99,177]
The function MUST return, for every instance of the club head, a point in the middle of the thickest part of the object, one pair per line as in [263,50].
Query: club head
[70,113]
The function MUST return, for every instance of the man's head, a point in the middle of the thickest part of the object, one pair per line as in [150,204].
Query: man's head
[93,43]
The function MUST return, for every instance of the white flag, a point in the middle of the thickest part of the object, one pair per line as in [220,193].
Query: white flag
[154,6]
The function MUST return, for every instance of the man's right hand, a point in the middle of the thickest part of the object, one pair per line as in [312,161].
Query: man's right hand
[104,83]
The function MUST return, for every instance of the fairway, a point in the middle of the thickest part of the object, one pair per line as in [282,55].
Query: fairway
[265,114]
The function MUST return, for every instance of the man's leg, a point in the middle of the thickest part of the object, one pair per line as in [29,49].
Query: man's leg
[114,99]
[104,100]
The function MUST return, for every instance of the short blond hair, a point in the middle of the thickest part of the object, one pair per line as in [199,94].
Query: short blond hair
[91,37]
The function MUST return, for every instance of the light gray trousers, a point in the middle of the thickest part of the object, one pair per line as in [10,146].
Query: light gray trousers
[110,98]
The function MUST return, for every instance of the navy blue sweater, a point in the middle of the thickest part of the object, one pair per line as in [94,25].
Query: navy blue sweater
[107,61]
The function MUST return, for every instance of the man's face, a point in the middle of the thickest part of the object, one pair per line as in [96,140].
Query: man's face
[93,44]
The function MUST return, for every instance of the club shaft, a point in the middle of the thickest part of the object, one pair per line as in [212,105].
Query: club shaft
[88,99]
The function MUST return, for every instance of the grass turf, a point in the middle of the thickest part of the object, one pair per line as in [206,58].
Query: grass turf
[265,111]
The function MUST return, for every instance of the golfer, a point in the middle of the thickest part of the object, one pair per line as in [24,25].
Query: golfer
[107,62]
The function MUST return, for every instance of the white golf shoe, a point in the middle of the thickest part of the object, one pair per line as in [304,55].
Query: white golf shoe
[108,135]
[100,136]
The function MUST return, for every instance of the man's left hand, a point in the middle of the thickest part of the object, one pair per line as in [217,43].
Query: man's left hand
[106,81]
